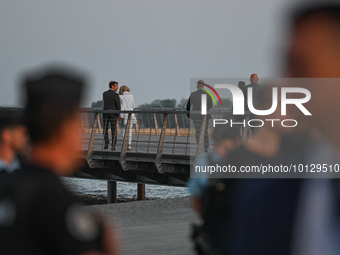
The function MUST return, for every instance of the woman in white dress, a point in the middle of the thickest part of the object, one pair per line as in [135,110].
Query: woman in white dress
[127,103]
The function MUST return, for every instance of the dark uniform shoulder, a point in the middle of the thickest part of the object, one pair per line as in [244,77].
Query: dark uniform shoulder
[49,217]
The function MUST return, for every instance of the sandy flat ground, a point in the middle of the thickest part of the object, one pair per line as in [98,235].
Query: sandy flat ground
[153,227]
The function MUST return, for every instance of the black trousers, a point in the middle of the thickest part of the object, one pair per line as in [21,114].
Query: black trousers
[198,125]
[110,119]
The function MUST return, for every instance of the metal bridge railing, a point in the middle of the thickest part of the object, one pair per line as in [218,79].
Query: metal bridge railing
[156,132]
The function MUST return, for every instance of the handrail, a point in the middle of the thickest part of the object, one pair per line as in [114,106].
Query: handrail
[145,110]
[156,132]
[157,110]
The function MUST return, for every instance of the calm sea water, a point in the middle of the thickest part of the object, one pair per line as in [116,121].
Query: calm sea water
[124,189]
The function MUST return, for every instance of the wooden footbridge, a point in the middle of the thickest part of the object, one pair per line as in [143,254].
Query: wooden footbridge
[162,145]
[163,148]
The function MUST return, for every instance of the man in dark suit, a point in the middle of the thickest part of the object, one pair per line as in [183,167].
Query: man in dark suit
[111,102]
[254,79]
[194,104]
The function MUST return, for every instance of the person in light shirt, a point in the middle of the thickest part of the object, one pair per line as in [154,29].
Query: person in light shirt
[127,103]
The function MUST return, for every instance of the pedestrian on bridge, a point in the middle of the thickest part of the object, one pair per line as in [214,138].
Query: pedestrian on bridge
[195,104]
[127,103]
[111,102]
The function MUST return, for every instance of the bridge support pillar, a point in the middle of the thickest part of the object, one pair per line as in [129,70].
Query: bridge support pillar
[141,191]
[111,192]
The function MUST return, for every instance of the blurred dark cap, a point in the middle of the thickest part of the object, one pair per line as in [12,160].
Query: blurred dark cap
[54,88]
[11,117]
[307,7]
[52,96]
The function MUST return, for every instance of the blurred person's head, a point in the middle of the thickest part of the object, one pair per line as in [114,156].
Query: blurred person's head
[314,52]
[53,119]
[254,78]
[241,84]
[200,84]
[226,138]
[13,134]
[113,85]
[314,49]
[123,88]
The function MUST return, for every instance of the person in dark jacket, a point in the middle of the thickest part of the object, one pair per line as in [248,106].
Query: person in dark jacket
[194,104]
[111,102]
[254,79]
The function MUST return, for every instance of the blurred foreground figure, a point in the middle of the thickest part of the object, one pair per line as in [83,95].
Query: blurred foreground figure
[13,140]
[313,52]
[225,140]
[291,216]
[241,215]
[296,216]
[38,215]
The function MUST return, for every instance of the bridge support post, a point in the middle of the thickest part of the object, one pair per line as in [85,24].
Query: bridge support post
[140,191]
[177,124]
[158,160]
[156,124]
[111,192]
[100,128]
[92,140]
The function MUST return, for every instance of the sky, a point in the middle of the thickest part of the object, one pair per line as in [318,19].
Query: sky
[153,47]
